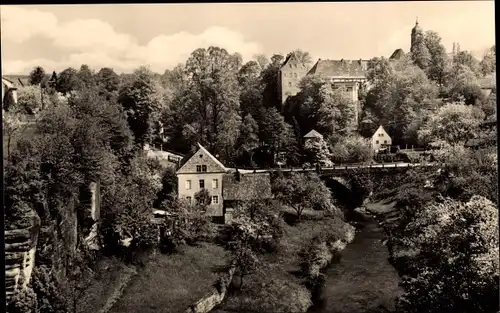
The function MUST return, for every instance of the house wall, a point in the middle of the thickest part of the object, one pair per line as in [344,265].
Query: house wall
[289,78]
[380,139]
[213,209]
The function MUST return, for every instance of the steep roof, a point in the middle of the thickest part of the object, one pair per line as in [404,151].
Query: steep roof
[251,186]
[381,128]
[8,83]
[188,156]
[340,68]
[397,54]
[313,134]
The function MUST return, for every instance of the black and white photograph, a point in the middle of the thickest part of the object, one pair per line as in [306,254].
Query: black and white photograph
[279,157]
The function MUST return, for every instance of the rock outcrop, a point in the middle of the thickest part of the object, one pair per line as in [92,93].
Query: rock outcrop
[20,249]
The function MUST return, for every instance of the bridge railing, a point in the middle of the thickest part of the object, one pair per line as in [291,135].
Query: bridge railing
[355,166]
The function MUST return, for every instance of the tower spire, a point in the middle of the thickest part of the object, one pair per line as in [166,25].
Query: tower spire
[416,21]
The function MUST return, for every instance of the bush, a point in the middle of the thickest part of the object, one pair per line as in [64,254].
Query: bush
[23,302]
[352,149]
[448,257]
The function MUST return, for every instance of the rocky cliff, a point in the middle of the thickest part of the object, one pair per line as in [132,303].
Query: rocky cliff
[20,248]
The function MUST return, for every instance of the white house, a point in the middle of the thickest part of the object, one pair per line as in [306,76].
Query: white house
[380,139]
[201,170]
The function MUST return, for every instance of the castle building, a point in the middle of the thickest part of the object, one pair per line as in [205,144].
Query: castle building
[350,74]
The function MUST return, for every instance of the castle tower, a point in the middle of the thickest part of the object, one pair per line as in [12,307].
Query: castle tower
[416,32]
[289,76]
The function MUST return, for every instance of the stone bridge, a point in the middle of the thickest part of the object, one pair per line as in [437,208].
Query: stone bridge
[339,173]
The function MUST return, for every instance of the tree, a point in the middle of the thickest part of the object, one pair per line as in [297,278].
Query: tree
[454,267]
[68,81]
[336,114]
[400,92]
[108,82]
[463,85]
[53,81]
[488,63]
[303,191]
[466,58]
[317,152]
[249,137]
[244,259]
[203,198]
[352,149]
[275,134]
[185,223]
[303,56]
[29,100]
[212,94]
[438,59]
[11,126]
[271,96]
[262,60]
[37,75]
[454,123]
[420,53]
[249,79]
[86,77]
[141,100]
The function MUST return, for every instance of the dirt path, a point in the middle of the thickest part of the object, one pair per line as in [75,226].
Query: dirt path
[363,280]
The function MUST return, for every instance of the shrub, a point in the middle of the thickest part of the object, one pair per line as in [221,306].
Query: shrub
[23,302]
[352,149]
[451,253]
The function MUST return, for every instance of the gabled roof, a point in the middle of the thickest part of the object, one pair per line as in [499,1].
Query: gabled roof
[313,134]
[397,54]
[292,57]
[8,83]
[205,151]
[250,187]
[340,68]
[381,128]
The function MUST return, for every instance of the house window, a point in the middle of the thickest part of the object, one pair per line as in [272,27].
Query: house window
[188,184]
[295,74]
[381,135]
[203,168]
[376,142]
[202,183]
[198,168]
[290,84]
[349,89]
[215,199]
[188,199]
[215,183]
[385,141]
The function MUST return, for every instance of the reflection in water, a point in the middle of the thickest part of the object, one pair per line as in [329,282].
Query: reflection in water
[363,280]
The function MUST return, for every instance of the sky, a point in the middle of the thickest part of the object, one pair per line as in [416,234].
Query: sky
[161,36]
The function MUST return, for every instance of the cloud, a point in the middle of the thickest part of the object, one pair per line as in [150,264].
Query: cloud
[98,44]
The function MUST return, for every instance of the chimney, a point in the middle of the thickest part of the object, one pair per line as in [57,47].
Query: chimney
[454,49]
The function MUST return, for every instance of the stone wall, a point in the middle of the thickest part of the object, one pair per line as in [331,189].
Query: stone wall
[20,248]
[215,297]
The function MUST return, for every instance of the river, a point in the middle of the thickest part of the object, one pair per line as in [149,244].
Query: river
[363,280]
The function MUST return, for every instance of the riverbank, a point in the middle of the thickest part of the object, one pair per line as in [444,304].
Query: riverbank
[363,280]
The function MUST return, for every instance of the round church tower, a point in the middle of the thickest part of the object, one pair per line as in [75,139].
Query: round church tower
[416,32]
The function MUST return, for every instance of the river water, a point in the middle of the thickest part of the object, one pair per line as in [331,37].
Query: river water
[363,280]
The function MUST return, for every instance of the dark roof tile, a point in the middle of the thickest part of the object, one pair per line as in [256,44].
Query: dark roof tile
[251,186]
[340,68]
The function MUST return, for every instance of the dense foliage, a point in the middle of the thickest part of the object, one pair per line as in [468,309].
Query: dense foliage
[83,126]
